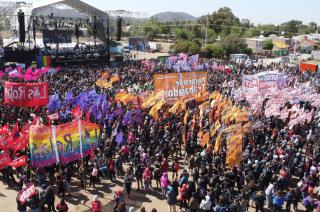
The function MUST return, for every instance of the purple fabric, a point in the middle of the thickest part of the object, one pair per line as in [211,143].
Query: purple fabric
[54,103]
[69,97]
[119,139]
[127,118]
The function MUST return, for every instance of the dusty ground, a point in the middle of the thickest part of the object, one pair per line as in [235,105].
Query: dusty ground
[80,200]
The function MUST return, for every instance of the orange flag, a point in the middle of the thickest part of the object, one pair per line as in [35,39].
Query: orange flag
[184,139]
[105,75]
[211,116]
[115,78]
[234,147]
[217,144]
[154,110]
[234,155]
[185,118]
[205,140]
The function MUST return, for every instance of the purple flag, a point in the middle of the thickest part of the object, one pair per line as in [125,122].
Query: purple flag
[127,118]
[119,139]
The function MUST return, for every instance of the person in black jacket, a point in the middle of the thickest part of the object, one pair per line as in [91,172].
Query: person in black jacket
[21,207]
[49,198]
[34,203]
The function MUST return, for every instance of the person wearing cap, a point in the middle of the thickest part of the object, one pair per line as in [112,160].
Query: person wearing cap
[96,204]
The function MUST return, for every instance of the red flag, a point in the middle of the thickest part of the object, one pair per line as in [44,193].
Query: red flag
[91,153]
[17,144]
[25,131]
[15,129]
[88,116]
[25,128]
[76,112]
[18,162]
[4,130]
[4,160]
[36,121]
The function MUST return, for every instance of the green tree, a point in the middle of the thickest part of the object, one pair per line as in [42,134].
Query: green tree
[233,44]
[213,50]
[186,47]
[181,34]
[268,45]
[221,20]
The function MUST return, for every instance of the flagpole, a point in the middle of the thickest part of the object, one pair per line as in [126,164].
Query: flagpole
[81,153]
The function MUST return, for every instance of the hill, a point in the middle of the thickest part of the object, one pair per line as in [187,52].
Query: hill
[173,16]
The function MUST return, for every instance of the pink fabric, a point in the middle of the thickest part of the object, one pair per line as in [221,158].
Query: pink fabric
[164,180]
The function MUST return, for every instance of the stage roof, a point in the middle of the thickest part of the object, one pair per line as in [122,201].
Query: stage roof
[75,4]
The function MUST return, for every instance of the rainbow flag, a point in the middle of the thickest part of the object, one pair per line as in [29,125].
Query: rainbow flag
[44,60]
[62,143]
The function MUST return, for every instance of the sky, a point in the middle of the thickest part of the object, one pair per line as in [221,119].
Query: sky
[257,11]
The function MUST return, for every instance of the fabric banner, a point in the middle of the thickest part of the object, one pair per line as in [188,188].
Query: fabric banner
[42,146]
[4,160]
[176,85]
[18,162]
[68,140]
[61,143]
[26,94]
[26,193]
[264,82]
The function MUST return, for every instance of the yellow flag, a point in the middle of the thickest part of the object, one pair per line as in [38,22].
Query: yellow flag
[246,128]
[242,117]
[233,128]
[179,106]
[154,110]
[153,99]
[124,97]
[217,125]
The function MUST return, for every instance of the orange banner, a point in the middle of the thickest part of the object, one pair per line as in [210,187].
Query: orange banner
[176,85]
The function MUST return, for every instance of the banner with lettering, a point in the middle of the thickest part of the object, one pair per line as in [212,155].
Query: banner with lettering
[50,145]
[264,82]
[27,193]
[26,94]
[18,162]
[42,146]
[68,140]
[176,85]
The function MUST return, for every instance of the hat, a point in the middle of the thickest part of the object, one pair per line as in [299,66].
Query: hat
[95,198]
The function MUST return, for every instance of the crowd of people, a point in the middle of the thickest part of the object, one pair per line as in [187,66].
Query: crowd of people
[279,167]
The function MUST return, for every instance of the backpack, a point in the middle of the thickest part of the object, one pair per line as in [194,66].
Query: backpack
[184,194]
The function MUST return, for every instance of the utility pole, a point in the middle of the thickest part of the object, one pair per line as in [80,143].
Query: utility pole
[205,40]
